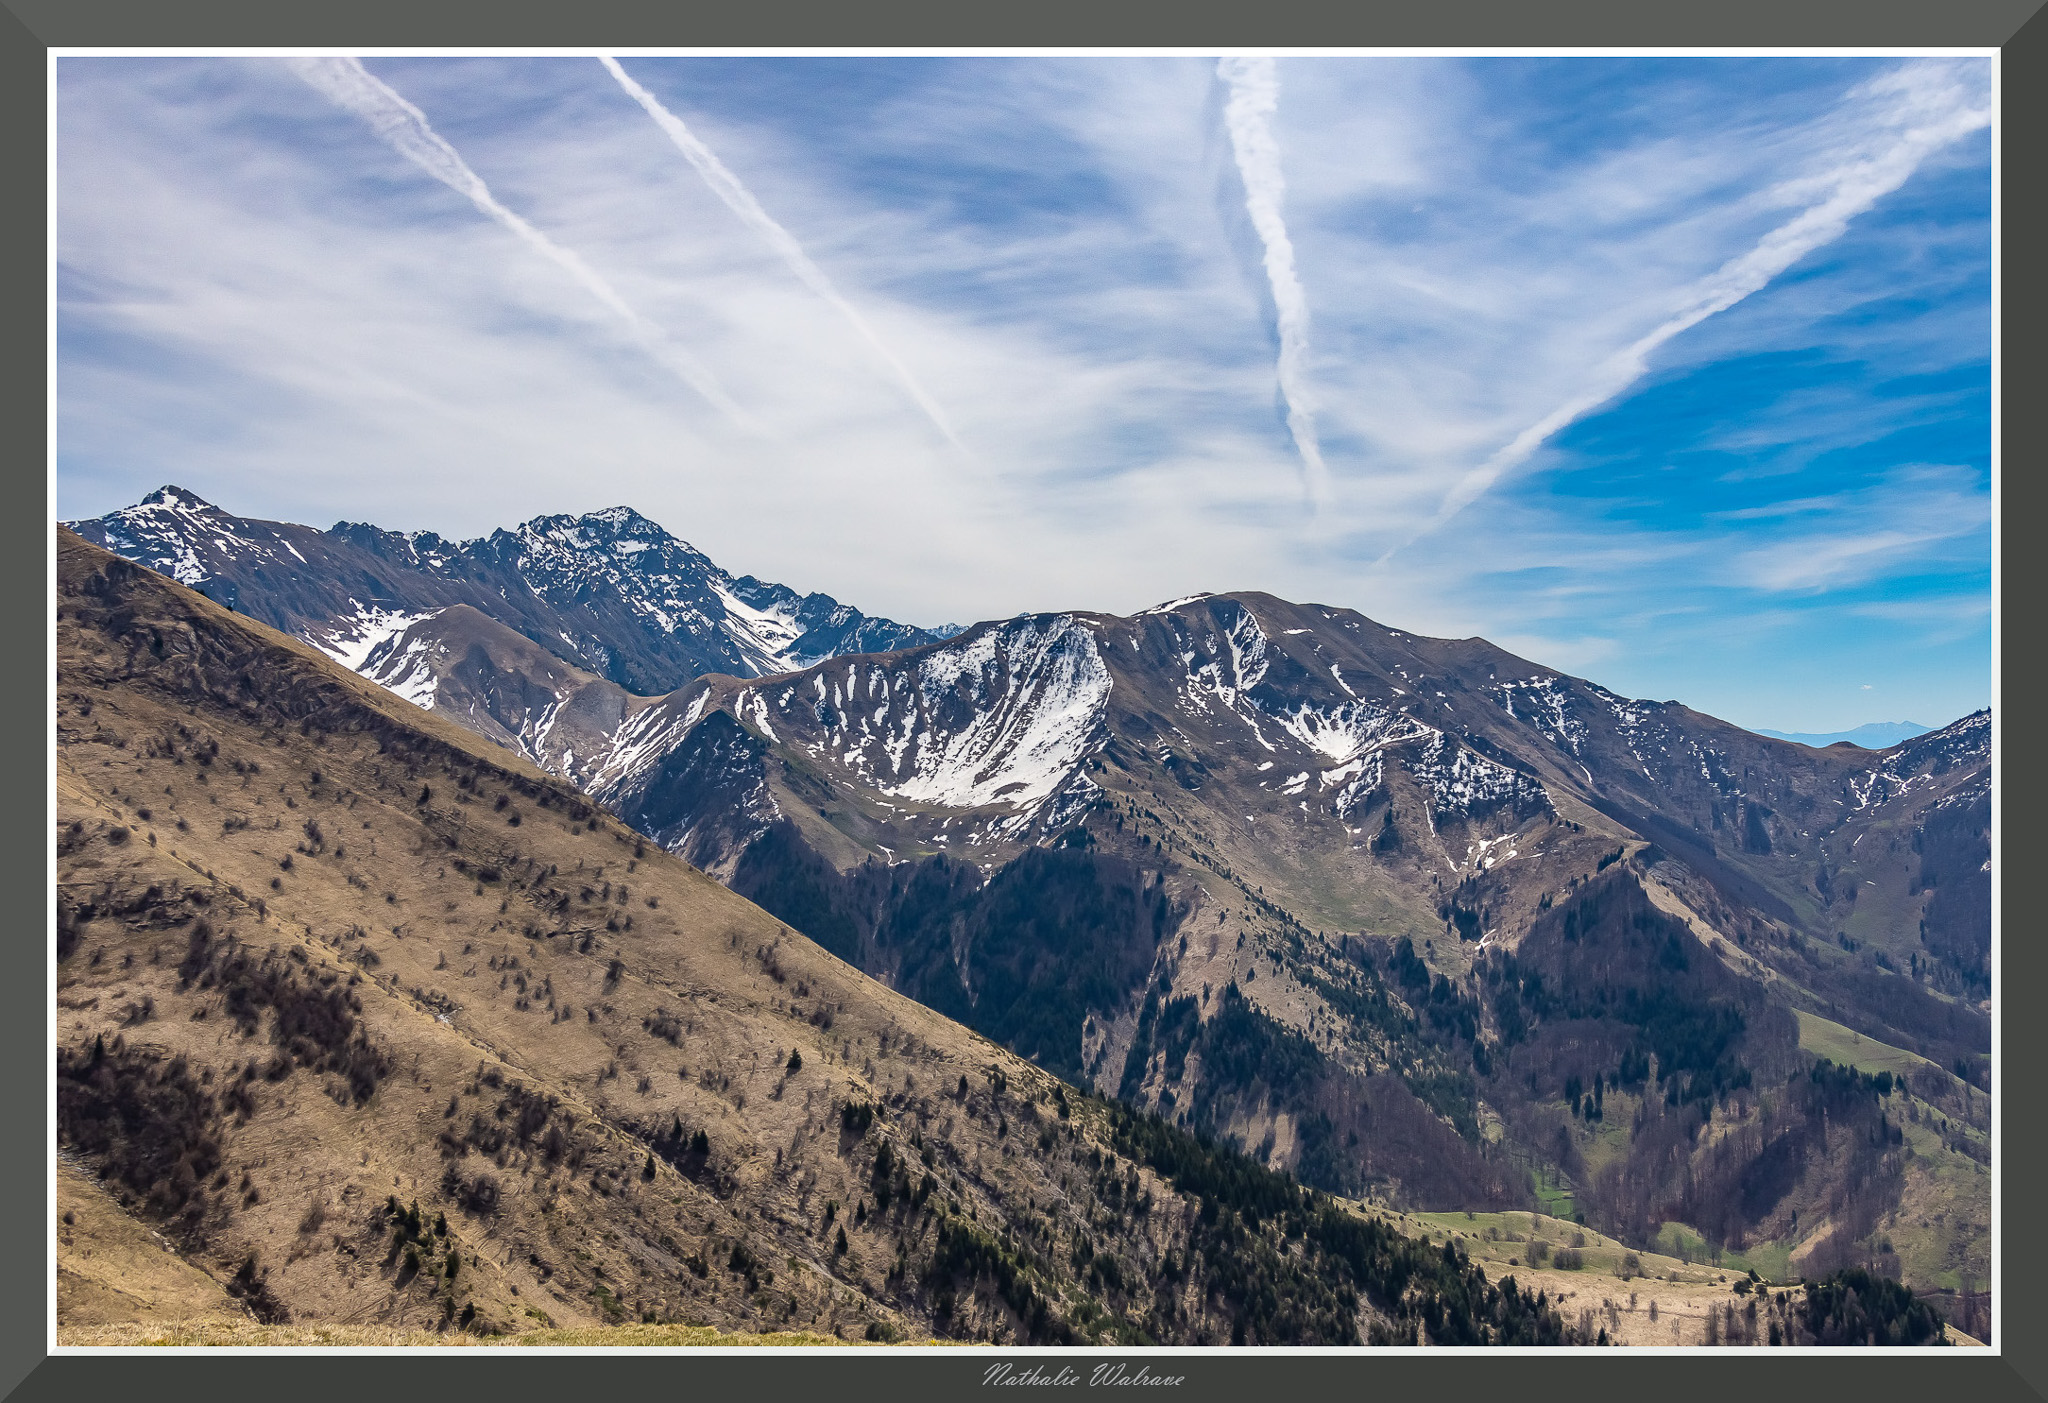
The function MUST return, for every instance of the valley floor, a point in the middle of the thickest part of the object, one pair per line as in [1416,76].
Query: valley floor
[1663,1301]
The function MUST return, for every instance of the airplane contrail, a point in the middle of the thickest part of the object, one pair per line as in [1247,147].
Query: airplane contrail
[1254,95]
[1849,190]
[741,202]
[405,129]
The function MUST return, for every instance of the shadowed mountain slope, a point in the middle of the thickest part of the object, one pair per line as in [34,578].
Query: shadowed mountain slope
[1273,871]
[382,1025]
[1269,869]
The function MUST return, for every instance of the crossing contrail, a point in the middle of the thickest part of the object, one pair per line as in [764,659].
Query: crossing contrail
[1929,118]
[741,202]
[405,129]
[1254,95]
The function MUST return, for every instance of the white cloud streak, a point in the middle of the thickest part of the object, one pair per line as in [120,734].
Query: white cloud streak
[238,291]
[405,129]
[1816,562]
[741,202]
[1908,521]
[1247,115]
[1926,116]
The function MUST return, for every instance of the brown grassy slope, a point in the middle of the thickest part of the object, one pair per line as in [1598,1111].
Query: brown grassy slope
[320,949]
[113,1269]
[203,1334]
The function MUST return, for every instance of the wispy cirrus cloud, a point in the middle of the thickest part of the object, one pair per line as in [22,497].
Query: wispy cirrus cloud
[741,201]
[1254,94]
[1915,518]
[1918,112]
[1815,562]
[1060,249]
[406,129]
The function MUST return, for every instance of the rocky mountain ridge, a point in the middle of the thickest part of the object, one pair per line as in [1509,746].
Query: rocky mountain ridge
[1326,889]
[608,591]
[378,1023]
[1185,855]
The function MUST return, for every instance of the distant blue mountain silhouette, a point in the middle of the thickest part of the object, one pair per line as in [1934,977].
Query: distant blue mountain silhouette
[1874,736]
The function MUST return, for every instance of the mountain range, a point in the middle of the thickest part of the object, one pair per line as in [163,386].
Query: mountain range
[376,1023]
[609,591]
[1421,922]
[1875,735]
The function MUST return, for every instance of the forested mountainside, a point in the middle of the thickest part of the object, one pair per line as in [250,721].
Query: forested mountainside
[377,1022]
[1412,918]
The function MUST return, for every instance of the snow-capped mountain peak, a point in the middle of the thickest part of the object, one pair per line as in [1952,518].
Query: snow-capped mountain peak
[610,591]
[171,531]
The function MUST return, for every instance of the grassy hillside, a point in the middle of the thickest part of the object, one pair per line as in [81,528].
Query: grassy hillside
[243,1335]
[384,1029]
[113,1270]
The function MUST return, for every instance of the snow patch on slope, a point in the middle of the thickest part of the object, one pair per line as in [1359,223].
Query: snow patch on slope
[767,638]
[640,742]
[1172,604]
[1359,778]
[1345,732]
[409,672]
[1068,803]
[1464,781]
[1546,706]
[355,639]
[1921,762]
[1234,663]
[1034,692]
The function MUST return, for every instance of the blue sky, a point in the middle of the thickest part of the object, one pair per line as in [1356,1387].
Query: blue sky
[1674,373]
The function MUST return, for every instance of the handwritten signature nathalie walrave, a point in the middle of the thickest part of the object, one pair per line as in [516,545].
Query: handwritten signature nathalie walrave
[1102,1376]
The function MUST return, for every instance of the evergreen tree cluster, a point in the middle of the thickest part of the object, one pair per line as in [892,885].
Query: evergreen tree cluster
[1856,1307]
[1248,1217]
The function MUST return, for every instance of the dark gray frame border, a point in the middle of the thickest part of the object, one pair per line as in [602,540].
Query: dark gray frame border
[29,27]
